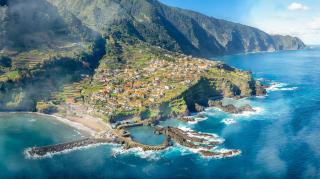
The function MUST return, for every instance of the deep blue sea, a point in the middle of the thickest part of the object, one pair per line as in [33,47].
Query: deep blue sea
[280,140]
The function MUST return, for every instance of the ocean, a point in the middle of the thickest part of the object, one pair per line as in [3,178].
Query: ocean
[279,140]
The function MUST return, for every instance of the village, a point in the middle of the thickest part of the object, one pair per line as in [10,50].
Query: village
[132,89]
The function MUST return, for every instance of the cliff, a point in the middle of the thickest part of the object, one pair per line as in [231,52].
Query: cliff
[26,24]
[121,59]
[175,29]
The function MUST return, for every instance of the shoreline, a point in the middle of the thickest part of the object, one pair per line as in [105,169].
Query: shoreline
[71,123]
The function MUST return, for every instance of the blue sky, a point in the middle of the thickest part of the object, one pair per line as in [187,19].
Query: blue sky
[287,17]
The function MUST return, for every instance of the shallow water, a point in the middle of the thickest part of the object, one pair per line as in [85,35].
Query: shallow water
[145,135]
[280,140]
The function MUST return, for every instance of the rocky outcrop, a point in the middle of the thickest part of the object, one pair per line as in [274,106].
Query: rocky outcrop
[220,154]
[199,108]
[230,108]
[260,89]
[46,108]
[186,119]
[191,139]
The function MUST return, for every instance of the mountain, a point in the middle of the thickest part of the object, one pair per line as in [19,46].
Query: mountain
[47,22]
[36,24]
[106,58]
[175,29]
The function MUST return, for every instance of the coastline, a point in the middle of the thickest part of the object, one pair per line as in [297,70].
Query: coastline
[72,123]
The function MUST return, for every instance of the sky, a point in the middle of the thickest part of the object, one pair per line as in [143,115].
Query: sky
[299,18]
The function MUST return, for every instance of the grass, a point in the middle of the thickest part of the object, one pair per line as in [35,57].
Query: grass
[12,75]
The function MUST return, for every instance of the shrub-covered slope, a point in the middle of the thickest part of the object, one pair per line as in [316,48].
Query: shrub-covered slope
[175,29]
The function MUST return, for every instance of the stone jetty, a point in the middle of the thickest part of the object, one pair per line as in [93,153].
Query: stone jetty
[202,142]
[52,149]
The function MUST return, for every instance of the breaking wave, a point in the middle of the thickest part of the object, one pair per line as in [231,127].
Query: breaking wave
[50,155]
[229,121]
[258,111]
[280,87]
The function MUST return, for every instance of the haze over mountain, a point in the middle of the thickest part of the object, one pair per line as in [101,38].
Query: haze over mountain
[35,23]
[57,51]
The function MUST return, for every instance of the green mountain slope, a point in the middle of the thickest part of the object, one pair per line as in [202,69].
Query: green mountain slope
[175,29]
[108,57]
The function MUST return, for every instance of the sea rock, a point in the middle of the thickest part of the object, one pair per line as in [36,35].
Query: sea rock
[227,153]
[199,108]
[261,90]
[187,119]
[201,116]
[247,107]
[230,108]
[214,103]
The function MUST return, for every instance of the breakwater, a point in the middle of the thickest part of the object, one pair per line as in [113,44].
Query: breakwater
[52,149]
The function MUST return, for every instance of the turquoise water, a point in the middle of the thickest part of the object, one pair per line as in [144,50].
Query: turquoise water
[145,135]
[280,140]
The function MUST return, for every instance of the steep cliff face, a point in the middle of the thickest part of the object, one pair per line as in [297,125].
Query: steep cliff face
[51,23]
[37,24]
[121,58]
[175,29]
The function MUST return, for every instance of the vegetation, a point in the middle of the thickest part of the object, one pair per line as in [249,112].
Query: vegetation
[131,65]
[46,108]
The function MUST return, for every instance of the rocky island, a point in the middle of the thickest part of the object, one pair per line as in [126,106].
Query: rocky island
[136,66]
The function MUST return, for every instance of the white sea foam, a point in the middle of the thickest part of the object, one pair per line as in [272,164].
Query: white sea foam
[209,138]
[187,151]
[280,87]
[32,120]
[262,97]
[198,119]
[257,111]
[229,121]
[78,132]
[184,128]
[289,89]
[51,154]
[139,152]
[222,151]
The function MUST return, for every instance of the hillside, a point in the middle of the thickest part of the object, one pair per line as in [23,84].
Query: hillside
[119,58]
[175,29]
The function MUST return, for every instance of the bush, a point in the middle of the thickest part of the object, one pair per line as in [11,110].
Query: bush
[5,61]
[46,108]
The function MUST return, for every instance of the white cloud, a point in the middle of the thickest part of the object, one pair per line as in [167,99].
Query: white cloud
[315,23]
[297,6]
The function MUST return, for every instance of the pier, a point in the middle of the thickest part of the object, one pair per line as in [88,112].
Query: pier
[52,149]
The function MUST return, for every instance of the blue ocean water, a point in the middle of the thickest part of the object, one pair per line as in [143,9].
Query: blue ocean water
[280,140]
[145,135]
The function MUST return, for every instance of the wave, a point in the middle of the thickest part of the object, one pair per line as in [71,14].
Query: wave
[197,120]
[229,121]
[187,151]
[50,155]
[223,151]
[280,87]
[139,152]
[257,111]
[32,120]
[184,128]
[262,97]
